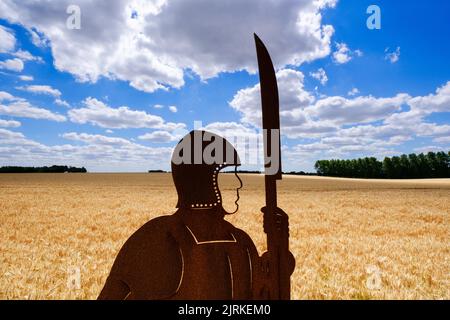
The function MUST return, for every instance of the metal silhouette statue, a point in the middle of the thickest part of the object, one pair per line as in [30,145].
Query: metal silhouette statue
[195,253]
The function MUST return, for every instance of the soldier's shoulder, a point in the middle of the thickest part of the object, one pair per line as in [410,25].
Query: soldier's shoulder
[161,222]
[239,234]
[153,230]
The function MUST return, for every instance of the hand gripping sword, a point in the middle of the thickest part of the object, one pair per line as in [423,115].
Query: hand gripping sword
[279,265]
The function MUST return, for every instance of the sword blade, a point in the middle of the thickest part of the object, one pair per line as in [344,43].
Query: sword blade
[270,104]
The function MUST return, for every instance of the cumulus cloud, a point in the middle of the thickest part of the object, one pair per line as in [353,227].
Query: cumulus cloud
[62,103]
[18,107]
[353,92]
[427,149]
[443,140]
[26,56]
[24,109]
[98,113]
[293,99]
[320,75]
[96,152]
[9,123]
[342,111]
[435,102]
[134,40]
[12,65]
[159,136]
[7,40]
[302,116]
[173,109]
[41,89]
[7,135]
[6,96]
[343,54]
[393,56]
[96,139]
[231,129]
[26,78]
[337,126]
[226,43]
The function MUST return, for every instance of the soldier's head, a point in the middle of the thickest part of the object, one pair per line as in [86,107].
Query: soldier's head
[196,162]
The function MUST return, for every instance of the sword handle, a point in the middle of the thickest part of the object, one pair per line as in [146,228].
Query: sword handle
[280,260]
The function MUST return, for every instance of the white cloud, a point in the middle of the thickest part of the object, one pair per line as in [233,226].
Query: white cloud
[353,92]
[393,56]
[26,56]
[37,38]
[7,135]
[7,40]
[6,96]
[96,139]
[158,106]
[26,78]
[62,103]
[216,38]
[159,136]
[427,149]
[41,89]
[320,75]
[444,140]
[343,54]
[346,127]
[437,102]
[98,113]
[293,99]
[173,109]
[95,152]
[9,123]
[12,65]
[18,107]
[230,129]
[342,111]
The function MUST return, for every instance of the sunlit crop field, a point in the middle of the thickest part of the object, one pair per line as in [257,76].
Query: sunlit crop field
[352,239]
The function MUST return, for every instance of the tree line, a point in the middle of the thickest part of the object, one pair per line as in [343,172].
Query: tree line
[430,165]
[51,169]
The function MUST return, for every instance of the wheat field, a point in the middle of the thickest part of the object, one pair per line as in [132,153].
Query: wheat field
[352,239]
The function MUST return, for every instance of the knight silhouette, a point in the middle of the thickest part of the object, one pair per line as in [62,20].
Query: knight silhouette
[194,253]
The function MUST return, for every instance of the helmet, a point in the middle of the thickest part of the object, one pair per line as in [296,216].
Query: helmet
[196,162]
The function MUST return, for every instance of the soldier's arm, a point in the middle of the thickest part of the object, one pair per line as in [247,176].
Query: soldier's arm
[115,287]
[257,264]
[148,266]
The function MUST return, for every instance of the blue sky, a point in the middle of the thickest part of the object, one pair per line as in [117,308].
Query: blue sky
[117,94]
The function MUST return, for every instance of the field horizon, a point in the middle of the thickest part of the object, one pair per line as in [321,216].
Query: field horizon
[352,238]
